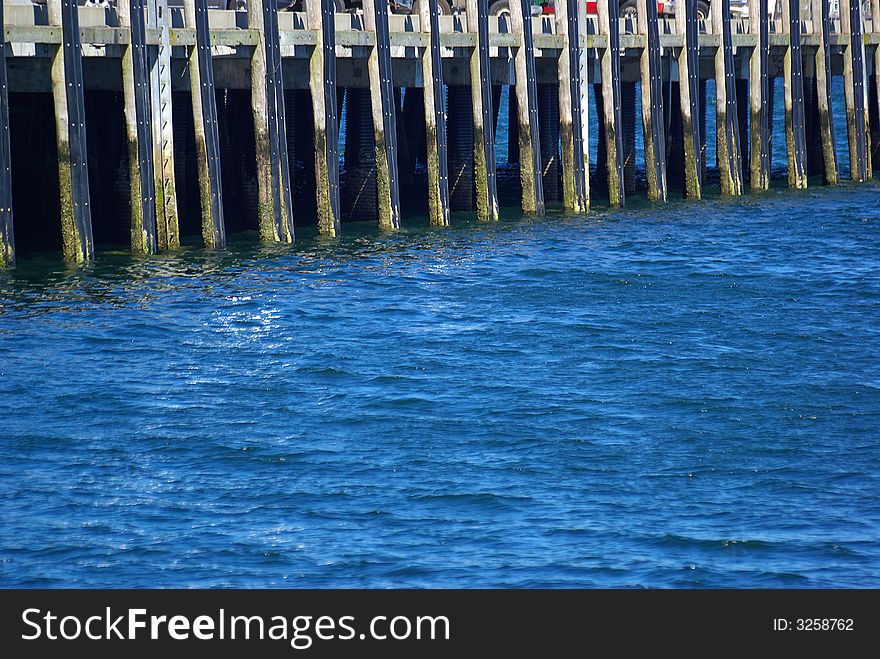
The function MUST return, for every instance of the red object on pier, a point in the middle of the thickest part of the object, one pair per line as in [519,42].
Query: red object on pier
[663,6]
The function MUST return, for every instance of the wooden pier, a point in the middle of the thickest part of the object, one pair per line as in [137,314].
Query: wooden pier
[186,121]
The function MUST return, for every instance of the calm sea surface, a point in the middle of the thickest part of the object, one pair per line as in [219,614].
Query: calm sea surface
[655,397]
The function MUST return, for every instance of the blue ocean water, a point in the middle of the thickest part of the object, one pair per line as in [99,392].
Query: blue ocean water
[676,397]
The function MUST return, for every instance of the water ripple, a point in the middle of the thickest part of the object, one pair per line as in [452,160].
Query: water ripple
[676,398]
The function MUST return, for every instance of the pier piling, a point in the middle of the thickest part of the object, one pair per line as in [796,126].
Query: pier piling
[204,107]
[726,114]
[274,203]
[858,130]
[384,114]
[162,119]
[485,187]
[875,104]
[435,117]
[7,236]
[795,112]
[322,84]
[421,97]
[575,175]
[139,128]
[528,134]
[612,120]
[653,125]
[689,89]
[821,12]
[760,90]
[70,134]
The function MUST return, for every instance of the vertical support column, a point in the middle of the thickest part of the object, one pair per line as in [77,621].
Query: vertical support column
[726,120]
[575,183]
[759,96]
[822,27]
[874,152]
[384,116]
[322,84]
[795,113]
[70,134]
[204,104]
[481,96]
[139,128]
[857,126]
[609,25]
[7,237]
[435,117]
[689,77]
[581,86]
[274,206]
[527,109]
[652,102]
[165,196]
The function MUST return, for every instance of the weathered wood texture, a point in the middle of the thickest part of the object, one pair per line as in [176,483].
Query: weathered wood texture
[7,236]
[572,89]
[435,117]
[760,89]
[70,134]
[609,25]
[528,138]
[139,127]
[653,117]
[726,115]
[384,116]
[485,186]
[874,153]
[858,131]
[322,84]
[167,220]
[821,14]
[274,184]
[204,107]
[795,112]
[688,76]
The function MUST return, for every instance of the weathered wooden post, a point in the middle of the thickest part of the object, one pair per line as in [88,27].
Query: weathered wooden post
[384,117]
[70,134]
[822,28]
[575,174]
[167,222]
[7,236]
[795,113]
[689,77]
[858,130]
[275,206]
[483,120]
[528,136]
[139,127]
[726,123]
[875,27]
[435,117]
[609,25]
[759,96]
[204,106]
[322,84]
[652,102]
